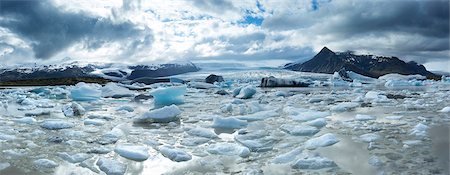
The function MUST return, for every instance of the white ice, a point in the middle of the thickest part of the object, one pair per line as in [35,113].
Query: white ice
[419,130]
[202,132]
[54,124]
[228,123]
[313,162]
[229,149]
[165,114]
[246,92]
[45,164]
[299,129]
[111,167]
[115,91]
[133,152]
[445,109]
[319,123]
[259,115]
[73,109]
[173,154]
[362,117]
[370,137]
[322,141]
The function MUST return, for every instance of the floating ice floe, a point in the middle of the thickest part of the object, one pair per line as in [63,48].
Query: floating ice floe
[397,80]
[111,137]
[394,117]
[202,132]
[446,109]
[163,115]
[74,158]
[193,141]
[313,162]
[362,117]
[257,141]
[300,114]
[419,130]
[288,156]
[43,164]
[168,95]
[54,124]
[201,85]
[173,154]
[85,92]
[344,106]
[299,130]
[228,123]
[229,149]
[319,123]
[281,94]
[115,91]
[73,109]
[125,108]
[259,115]
[369,137]
[4,165]
[7,136]
[111,167]
[322,141]
[25,120]
[246,92]
[95,122]
[133,152]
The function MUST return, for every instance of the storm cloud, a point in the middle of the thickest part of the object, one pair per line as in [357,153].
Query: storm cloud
[51,30]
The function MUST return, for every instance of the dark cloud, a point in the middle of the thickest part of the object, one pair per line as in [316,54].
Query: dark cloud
[51,30]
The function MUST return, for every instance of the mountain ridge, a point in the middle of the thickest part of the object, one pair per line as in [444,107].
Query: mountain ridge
[327,61]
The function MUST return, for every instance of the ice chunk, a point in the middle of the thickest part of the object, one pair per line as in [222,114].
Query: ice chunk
[85,92]
[125,108]
[370,137]
[319,123]
[246,92]
[75,158]
[257,141]
[95,122]
[202,132]
[394,117]
[54,124]
[163,115]
[395,76]
[287,157]
[313,162]
[173,154]
[111,167]
[322,141]
[419,130]
[73,109]
[299,130]
[228,123]
[193,141]
[115,91]
[4,165]
[259,115]
[375,161]
[133,152]
[301,114]
[344,106]
[201,85]
[362,117]
[229,149]
[25,120]
[45,164]
[7,137]
[446,109]
[281,94]
[236,91]
[168,95]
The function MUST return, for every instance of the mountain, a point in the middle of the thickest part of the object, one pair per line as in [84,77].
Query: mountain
[327,61]
[74,72]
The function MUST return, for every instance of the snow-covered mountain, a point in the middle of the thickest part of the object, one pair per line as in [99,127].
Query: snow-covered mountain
[327,61]
[108,71]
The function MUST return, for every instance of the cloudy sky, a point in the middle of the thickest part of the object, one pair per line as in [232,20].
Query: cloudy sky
[257,32]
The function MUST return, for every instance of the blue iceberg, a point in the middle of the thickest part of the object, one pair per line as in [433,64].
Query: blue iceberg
[169,95]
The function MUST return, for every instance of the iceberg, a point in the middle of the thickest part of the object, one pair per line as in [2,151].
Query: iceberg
[111,167]
[168,95]
[133,152]
[246,92]
[115,91]
[313,162]
[163,115]
[228,123]
[299,130]
[85,92]
[319,123]
[362,117]
[420,130]
[322,141]
[228,149]
[445,109]
[54,124]
[369,137]
[73,109]
[173,154]
[45,164]
[202,132]
[74,158]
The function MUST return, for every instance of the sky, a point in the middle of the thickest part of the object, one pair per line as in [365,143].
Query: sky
[252,32]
